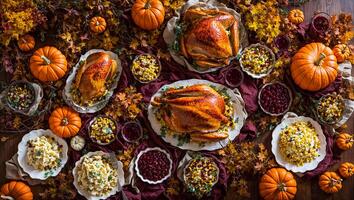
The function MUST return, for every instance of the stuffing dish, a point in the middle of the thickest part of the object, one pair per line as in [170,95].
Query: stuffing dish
[43,153]
[97,175]
[103,130]
[146,68]
[299,143]
[200,175]
[257,60]
[330,108]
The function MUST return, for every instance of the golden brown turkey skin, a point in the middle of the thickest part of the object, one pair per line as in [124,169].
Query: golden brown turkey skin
[93,74]
[197,110]
[211,39]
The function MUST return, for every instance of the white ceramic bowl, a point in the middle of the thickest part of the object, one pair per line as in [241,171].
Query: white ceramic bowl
[22,151]
[137,165]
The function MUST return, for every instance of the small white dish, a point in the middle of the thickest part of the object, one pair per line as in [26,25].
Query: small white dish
[22,151]
[137,165]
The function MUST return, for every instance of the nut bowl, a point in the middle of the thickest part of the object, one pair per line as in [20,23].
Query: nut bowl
[257,75]
[139,172]
[287,107]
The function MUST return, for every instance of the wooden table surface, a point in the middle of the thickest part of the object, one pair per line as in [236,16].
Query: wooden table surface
[306,189]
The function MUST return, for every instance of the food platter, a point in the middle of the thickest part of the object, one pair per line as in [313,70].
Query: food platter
[275,147]
[67,92]
[239,116]
[22,151]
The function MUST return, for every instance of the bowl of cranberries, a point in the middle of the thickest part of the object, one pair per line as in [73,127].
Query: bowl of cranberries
[275,98]
[153,165]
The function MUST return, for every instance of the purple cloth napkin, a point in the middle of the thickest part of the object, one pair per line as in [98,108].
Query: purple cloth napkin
[329,160]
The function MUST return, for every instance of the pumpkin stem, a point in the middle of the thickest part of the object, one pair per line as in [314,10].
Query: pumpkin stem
[7,197]
[23,40]
[64,122]
[46,60]
[334,182]
[97,23]
[147,4]
[282,187]
[322,56]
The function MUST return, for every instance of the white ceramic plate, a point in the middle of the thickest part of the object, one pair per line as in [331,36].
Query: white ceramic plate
[100,104]
[275,147]
[116,164]
[22,151]
[137,166]
[239,117]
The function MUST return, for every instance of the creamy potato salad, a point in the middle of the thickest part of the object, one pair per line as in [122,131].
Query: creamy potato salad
[299,143]
[97,175]
[43,153]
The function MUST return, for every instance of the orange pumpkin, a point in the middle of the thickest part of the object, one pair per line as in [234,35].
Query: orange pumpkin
[16,190]
[314,67]
[346,169]
[65,122]
[344,141]
[342,52]
[26,43]
[98,24]
[48,64]
[330,182]
[296,16]
[148,14]
[277,183]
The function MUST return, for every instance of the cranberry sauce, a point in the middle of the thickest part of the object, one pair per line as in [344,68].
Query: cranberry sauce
[275,98]
[154,165]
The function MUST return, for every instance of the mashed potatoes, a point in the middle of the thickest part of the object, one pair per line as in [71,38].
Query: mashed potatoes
[43,153]
[97,175]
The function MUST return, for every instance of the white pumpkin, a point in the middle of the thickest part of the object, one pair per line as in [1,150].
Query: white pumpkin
[77,143]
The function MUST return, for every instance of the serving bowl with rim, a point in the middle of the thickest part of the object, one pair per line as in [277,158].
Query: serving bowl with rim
[272,60]
[89,128]
[157,62]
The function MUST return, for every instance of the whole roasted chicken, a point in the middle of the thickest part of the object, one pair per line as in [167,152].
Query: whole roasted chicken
[197,110]
[211,39]
[92,76]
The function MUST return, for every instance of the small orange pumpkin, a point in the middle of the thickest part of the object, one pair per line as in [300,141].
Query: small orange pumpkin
[26,42]
[342,52]
[296,16]
[346,169]
[330,182]
[277,183]
[16,190]
[65,122]
[314,67]
[148,14]
[344,141]
[98,24]
[48,64]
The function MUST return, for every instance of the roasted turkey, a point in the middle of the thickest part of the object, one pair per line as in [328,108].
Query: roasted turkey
[211,37]
[197,110]
[92,75]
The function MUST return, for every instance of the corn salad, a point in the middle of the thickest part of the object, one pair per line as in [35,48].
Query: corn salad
[200,176]
[43,153]
[299,143]
[145,68]
[257,60]
[103,130]
[330,108]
